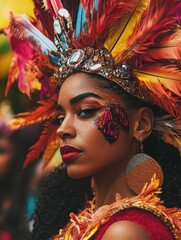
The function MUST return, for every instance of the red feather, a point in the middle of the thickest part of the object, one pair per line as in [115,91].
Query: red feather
[86,3]
[45,18]
[159,54]
[168,49]
[173,108]
[161,85]
[157,22]
[54,6]
[100,20]
[72,7]
[168,76]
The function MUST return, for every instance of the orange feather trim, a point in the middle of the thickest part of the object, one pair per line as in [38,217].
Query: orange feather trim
[84,226]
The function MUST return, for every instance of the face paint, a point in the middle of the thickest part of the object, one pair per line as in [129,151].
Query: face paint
[111,121]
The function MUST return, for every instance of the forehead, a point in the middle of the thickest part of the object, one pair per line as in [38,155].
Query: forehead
[79,83]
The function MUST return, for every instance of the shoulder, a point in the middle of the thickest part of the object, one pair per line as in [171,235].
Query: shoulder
[125,230]
[134,223]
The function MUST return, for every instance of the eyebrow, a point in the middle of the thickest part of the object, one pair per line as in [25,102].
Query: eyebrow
[79,98]
[82,96]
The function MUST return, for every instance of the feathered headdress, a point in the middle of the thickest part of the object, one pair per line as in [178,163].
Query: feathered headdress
[136,44]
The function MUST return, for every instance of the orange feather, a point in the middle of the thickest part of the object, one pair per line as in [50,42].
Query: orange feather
[52,145]
[45,111]
[161,87]
[157,22]
[168,76]
[38,148]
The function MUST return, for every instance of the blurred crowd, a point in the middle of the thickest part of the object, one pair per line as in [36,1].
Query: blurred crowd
[19,188]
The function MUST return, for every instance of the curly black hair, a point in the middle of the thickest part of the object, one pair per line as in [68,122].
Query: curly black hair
[166,155]
[62,195]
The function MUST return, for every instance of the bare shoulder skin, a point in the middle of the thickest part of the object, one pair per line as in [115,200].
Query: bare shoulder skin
[126,230]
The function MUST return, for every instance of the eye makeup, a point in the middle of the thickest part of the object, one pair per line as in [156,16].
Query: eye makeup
[84,109]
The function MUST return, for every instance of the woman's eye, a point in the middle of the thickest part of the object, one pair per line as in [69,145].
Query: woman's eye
[59,120]
[86,113]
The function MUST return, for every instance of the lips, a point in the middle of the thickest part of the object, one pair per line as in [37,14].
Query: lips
[69,152]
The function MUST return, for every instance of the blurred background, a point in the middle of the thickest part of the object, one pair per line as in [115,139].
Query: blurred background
[18,102]
[19,188]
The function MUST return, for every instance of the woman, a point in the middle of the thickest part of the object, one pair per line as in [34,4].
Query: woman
[13,185]
[86,152]
[118,84]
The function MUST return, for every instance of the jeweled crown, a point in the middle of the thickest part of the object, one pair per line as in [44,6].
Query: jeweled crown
[68,59]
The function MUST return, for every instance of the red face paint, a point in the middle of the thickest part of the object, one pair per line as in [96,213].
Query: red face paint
[111,121]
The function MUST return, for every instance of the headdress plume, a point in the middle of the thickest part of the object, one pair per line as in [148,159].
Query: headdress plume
[136,44]
[101,16]
[119,34]
[24,30]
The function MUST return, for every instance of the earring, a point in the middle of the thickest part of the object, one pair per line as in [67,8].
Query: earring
[141,169]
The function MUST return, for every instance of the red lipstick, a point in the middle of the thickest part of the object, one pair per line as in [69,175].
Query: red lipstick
[69,152]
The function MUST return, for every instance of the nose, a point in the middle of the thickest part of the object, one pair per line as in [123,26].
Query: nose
[66,129]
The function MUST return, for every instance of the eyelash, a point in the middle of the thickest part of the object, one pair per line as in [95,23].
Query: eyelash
[88,112]
[59,120]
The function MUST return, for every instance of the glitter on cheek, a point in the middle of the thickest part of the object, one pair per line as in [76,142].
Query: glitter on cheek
[84,126]
[111,121]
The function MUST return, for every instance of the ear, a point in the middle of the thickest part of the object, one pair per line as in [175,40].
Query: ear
[143,120]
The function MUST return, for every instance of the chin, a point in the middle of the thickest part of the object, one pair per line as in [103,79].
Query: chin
[75,173]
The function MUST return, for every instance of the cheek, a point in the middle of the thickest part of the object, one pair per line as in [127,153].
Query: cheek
[84,128]
[98,153]
[112,121]
[94,142]
[110,153]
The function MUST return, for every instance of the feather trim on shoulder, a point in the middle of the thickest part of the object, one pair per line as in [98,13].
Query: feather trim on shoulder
[85,224]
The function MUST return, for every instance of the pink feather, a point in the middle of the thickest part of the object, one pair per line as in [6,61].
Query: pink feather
[23,29]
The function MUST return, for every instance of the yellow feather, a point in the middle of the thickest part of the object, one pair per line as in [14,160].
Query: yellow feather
[160,82]
[49,152]
[118,36]
[16,123]
[54,161]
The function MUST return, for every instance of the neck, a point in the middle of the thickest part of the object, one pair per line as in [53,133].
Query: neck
[108,183]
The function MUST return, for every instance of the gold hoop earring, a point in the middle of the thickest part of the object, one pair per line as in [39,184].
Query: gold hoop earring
[140,169]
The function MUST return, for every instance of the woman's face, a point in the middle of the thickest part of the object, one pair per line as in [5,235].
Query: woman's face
[84,148]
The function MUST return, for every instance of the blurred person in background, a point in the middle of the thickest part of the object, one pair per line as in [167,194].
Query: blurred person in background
[17,189]
[12,192]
